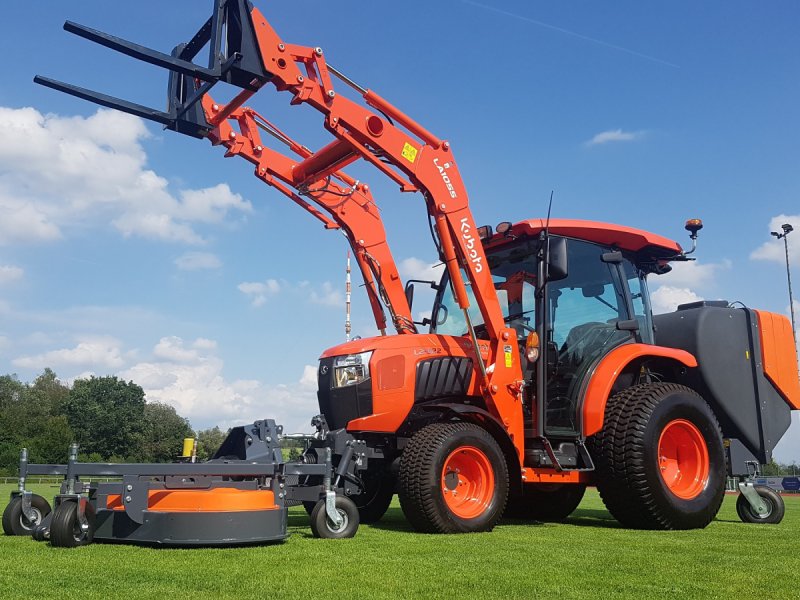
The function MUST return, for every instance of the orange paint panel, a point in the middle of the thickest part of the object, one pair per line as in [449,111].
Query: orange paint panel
[779,355]
[606,373]
[391,372]
[626,238]
[553,476]
[213,500]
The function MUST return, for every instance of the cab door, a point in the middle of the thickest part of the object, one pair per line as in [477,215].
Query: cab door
[583,310]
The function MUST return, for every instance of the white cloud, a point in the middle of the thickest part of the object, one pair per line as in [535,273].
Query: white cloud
[666,298]
[75,171]
[614,135]
[693,274]
[199,391]
[774,249]
[327,295]
[414,268]
[211,205]
[195,261]
[91,351]
[259,291]
[9,273]
[688,281]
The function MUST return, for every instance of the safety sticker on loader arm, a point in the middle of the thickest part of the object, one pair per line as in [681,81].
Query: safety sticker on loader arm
[507,352]
[409,153]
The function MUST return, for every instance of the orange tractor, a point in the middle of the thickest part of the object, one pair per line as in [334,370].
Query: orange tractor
[541,369]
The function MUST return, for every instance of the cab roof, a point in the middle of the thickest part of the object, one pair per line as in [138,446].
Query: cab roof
[619,236]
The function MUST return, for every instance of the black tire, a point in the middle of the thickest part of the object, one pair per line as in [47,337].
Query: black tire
[309,506]
[15,522]
[373,503]
[422,485]
[322,527]
[551,503]
[629,471]
[774,502]
[41,533]
[65,531]
[375,500]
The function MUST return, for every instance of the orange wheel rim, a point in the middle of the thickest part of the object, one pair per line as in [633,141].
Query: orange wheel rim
[683,459]
[467,482]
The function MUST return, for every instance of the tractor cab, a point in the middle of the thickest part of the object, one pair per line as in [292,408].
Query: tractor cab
[594,300]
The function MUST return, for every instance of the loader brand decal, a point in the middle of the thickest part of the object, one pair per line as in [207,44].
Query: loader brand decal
[409,153]
[469,242]
[445,177]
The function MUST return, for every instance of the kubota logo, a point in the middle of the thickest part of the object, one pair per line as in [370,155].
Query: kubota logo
[469,242]
[445,177]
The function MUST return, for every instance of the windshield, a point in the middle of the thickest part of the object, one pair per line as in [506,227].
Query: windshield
[514,275]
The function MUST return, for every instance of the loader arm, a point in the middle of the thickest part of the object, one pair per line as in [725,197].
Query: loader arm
[246,52]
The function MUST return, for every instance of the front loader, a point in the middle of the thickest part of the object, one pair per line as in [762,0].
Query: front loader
[541,370]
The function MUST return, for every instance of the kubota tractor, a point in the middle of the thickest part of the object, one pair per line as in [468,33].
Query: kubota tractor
[541,370]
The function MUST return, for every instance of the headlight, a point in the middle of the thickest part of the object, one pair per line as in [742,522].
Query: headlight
[350,369]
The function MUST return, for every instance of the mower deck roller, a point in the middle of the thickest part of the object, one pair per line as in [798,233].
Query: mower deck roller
[240,496]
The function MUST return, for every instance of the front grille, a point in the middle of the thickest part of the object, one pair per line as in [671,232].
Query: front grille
[342,405]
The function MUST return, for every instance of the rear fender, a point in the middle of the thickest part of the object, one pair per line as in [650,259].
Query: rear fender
[621,360]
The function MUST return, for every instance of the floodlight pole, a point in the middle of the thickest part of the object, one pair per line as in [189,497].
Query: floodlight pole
[787,229]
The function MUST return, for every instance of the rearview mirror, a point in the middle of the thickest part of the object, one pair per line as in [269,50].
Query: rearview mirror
[557,259]
[410,289]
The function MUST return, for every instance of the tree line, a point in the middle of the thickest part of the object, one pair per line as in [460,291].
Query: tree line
[107,417]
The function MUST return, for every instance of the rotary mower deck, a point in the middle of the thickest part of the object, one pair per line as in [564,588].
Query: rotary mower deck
[240,496]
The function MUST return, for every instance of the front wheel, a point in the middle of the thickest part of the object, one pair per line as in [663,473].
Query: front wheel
[775,507]
[453,479]
[16,523]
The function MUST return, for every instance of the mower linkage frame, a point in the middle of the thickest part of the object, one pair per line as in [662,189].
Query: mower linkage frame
[250,458]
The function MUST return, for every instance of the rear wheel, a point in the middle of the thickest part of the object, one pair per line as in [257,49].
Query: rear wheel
[771,498]
[659,457]
[453,479]
[65,529]
[16,523]
[546,502]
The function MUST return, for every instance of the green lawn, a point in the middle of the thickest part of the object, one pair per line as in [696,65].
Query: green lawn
[588,557]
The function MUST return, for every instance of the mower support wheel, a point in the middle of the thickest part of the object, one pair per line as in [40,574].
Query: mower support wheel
[771,498]
[373,503]
[65,530]
[323,527]
[16,523]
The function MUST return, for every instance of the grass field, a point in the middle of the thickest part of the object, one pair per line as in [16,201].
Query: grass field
[590,556]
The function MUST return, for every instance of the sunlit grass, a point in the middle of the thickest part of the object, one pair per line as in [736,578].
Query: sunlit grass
[590,556]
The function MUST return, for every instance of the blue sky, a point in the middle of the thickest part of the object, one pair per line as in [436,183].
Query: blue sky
[132,251]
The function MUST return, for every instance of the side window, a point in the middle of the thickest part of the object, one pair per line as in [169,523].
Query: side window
[591,296]
[641,302]
[578,308]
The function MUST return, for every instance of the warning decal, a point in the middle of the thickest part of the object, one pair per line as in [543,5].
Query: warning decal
[409,152]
